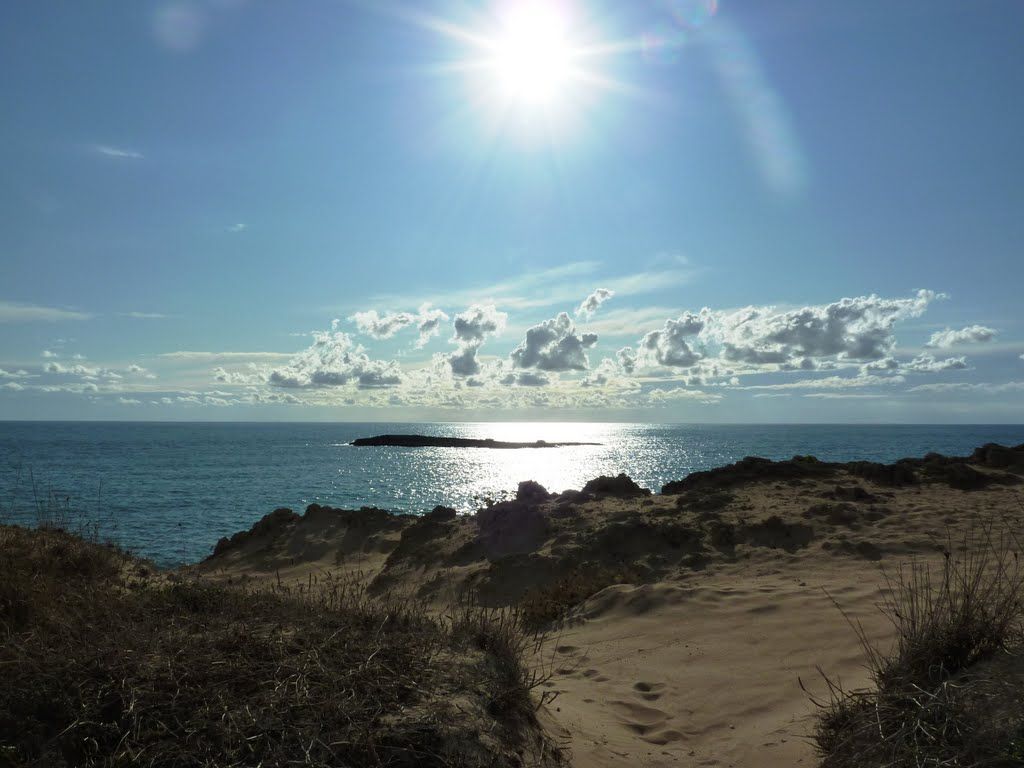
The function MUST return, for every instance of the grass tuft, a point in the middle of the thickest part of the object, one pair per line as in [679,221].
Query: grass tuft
[107,663]
[947,693]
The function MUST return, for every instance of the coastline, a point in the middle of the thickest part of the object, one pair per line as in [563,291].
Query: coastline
[599,627]
[684,625]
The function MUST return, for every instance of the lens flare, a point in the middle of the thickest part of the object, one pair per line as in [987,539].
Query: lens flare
[693,13]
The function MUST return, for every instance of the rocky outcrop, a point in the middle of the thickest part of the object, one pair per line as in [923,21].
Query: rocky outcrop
[621,487]
[432,441]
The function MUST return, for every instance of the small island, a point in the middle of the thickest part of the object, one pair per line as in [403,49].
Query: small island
[431,441]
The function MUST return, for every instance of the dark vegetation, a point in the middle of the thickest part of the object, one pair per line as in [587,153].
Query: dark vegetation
[106,662]
[956,471]
[949,691]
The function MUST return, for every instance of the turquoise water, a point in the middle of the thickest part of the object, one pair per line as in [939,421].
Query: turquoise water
[169,491]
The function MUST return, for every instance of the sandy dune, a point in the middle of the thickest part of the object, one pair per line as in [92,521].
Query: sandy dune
[709,605]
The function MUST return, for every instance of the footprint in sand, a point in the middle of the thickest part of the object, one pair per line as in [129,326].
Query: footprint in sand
[648,691]
[647,722]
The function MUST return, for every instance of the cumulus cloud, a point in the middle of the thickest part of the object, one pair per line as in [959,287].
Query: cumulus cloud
[334,361]
[661,396]
[382,326]
[672,346]
[428,323]
[928,364]
[593,302]
[472,328]
[626,358]
[525,379]
[427,320]
[920,364]
[554,345]
[858,329]
[972,334]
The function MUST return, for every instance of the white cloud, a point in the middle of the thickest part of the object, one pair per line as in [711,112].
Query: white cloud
[334,361]
[593,302]
[382,326]
[48,354]
[128,401]
[118,153]
[666,396]
[526,379]
[920,364]
[548,287]
[216,357]
[428,323]
[239,227]
[984,387]
[844,396]
[858,329]
[627,359]
[554,345]
[972,334]
[144,315]
[472,328]
[671,346]
[17,312]
[831,382]
[928,364]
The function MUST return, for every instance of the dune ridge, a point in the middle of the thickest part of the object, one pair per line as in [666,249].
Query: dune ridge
[683,622]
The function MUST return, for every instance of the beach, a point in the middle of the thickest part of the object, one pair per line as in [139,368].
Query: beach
[683,628]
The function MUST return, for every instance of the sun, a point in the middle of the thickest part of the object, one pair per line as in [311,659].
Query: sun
[532,57]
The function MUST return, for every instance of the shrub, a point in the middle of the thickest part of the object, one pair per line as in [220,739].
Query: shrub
[941,695]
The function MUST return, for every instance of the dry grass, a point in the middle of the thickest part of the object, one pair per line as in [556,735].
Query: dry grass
[106,663]
[949,691]
[547,605]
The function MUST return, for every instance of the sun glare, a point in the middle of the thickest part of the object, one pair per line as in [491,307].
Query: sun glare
[532,60]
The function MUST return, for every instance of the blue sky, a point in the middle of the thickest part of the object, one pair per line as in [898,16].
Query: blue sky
[800,211]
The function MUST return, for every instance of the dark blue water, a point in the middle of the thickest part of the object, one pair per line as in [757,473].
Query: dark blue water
[169,491]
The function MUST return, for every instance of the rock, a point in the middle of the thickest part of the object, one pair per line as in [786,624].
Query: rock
[621,487]
[511,527]
[269,526]
[532,492]
[441,514]
[748,470]
[705,502]
[897,475]
[998,456]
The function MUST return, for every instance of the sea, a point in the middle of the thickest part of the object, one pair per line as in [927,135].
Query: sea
[169,491]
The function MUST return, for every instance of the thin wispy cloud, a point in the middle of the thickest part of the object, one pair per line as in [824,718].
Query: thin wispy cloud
[562,285]
[144,315]
[239,227]
[18,312]
[208,357]
[118,153]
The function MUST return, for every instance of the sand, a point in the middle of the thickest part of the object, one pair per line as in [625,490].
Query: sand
[718,604]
